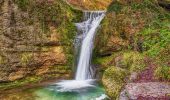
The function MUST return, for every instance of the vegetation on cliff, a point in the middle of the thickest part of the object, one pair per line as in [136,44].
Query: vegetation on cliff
[139,26]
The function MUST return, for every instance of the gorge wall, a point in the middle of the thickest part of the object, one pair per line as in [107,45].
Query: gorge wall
[36,40]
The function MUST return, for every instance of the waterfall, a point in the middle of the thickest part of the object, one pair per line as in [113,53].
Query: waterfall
[88,27]
[86,36]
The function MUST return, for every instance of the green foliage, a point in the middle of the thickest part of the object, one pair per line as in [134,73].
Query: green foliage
[156,38]
[23,4]
[156,33]
[68,31]
[163,72]
[104,61]
[146,4]
[143,20]
[115,6]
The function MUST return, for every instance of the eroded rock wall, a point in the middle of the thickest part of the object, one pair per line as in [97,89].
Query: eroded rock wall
[36,39]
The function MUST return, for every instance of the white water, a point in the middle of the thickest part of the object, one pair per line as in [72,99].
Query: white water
[89,30]
[83,77]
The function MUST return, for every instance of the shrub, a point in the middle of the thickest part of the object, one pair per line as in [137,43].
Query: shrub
[163,73]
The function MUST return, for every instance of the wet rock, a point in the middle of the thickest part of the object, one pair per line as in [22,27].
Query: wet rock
[123,95]
[113,81]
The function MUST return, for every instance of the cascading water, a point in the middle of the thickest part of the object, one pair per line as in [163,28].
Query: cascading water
[88,28]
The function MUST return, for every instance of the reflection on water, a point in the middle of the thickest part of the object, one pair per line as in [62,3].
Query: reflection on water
[51,93]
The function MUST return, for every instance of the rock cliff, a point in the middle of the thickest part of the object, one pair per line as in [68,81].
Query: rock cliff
[36,40]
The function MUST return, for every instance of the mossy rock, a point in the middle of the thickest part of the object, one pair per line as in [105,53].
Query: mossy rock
[113,81]
[26,58]
[119,67]
[133,61]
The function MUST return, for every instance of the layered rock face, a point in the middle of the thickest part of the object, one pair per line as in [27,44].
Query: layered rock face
[36,39]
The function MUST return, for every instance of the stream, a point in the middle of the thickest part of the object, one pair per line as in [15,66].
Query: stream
[51,93]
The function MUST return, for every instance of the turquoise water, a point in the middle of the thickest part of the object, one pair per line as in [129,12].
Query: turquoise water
[50,93]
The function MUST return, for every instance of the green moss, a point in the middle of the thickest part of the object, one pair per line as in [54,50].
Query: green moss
[163,73]
[151,4]
[133,61]
[58,68]
[26,58]
[104,61]
[115,6]
[56,13]
[113,80]
[68,31]
[18,83]
[23,4]
[114,77]
[45,48]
